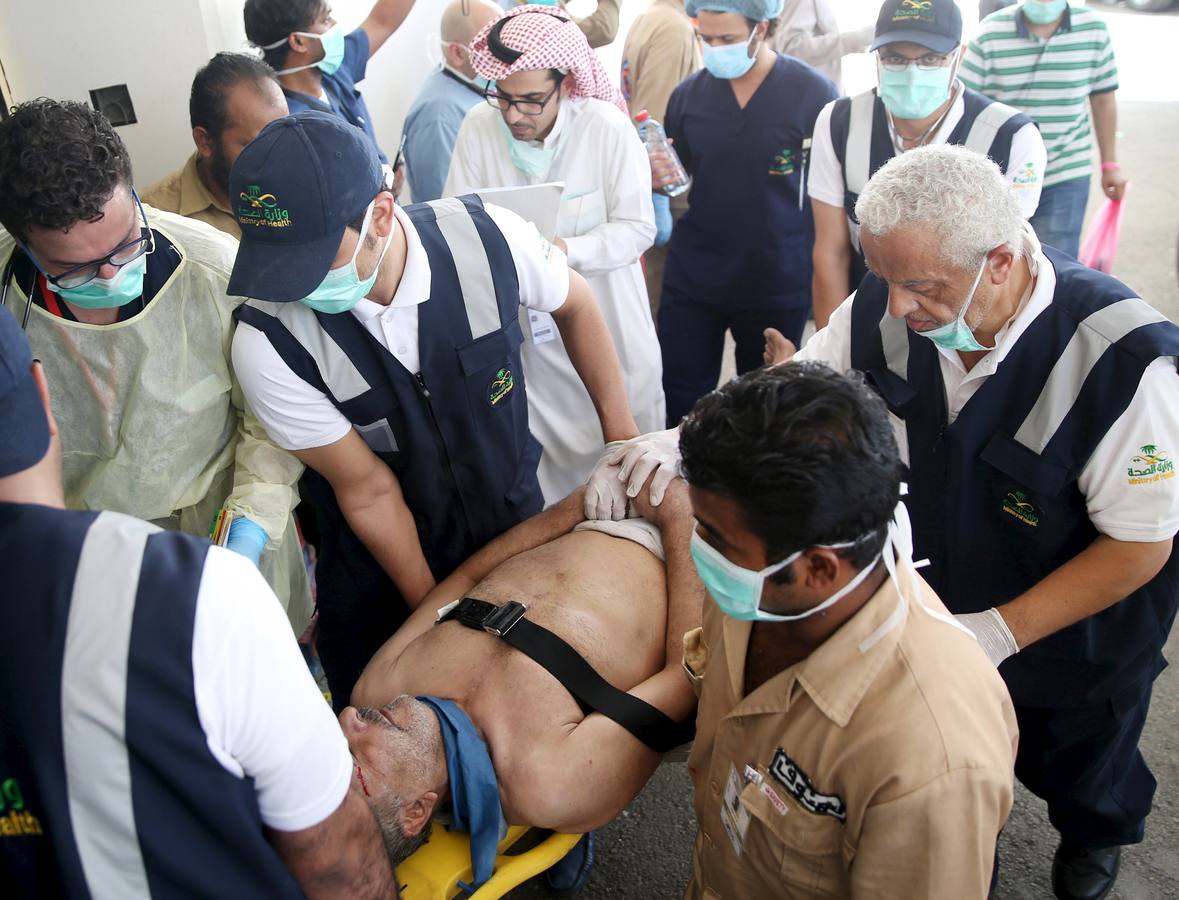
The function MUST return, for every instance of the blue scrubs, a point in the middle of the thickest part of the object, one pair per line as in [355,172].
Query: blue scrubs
[431,129]
[740,258]
[343,98]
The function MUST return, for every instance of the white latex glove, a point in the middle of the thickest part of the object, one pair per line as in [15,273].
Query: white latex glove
[605,493]
[658,453]
[992,633]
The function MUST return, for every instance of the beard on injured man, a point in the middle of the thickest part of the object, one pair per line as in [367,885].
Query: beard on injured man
[620,606]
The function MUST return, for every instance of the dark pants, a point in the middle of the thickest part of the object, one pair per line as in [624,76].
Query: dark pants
[1061,214]
[1086,764]
[359,607]
[692,337]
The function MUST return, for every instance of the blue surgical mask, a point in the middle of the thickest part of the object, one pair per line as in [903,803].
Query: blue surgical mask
[914,93]
[341,289]
[1043,12]
[107,293]
[532,161]
[729,61]
[737,591]
[957,335]
[333,51]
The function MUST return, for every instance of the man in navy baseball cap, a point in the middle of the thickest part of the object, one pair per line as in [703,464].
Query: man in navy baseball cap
[295,188]
[936,24]
[25,428]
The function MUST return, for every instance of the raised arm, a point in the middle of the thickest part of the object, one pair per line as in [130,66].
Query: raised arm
[383,19]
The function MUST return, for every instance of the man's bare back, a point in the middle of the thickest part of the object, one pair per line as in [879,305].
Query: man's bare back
[608,598]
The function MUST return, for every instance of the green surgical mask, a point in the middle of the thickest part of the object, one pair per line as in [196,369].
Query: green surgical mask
[532,161]
[914,93]
[107,293]
[957,335]
[1043,12]
[341,289]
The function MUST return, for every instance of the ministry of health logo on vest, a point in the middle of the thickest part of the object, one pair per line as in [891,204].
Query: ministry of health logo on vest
[1150,465]
[1017,505]
[915,11]
[259,209]
[501,385]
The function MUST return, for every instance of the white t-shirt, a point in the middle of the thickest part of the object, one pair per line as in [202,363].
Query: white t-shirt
[298,416]
[262,713]
[1025,166]
[1117,507]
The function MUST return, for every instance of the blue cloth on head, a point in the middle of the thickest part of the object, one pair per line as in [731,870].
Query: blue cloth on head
[474,791]
[758,10]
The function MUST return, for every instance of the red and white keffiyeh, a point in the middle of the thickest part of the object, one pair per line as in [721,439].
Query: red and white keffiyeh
[547,39]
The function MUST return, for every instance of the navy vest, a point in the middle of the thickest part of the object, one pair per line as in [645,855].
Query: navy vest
[862,142]
[107,781]
[994,498]
[457,436]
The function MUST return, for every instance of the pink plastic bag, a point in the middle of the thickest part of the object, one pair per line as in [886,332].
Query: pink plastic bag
[1100,244]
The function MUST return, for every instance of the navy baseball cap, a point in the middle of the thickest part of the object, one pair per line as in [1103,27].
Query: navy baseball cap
[294,189]
[936,24]
[24,426]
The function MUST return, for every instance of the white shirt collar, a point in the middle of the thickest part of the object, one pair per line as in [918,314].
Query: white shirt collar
[414,288]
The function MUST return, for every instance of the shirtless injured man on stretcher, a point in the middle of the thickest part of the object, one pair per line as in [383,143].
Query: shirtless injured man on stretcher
[598,597]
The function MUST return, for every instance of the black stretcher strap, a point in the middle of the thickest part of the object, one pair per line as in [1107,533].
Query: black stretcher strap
[591,691]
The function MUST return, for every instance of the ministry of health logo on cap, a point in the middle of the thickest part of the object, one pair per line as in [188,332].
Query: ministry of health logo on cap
[914,11]
[259,209]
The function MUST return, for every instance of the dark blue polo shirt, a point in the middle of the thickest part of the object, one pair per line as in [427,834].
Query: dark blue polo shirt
[745,242]
[343,98]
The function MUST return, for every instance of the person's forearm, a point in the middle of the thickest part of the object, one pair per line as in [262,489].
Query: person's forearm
[264,479]
[685,591]
[829,284]
[1102,574]
[379,516]
[1105,124]
[383,19]
[591,350]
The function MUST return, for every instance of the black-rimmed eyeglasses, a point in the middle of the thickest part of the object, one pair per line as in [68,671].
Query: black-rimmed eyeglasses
[523,107]
[82,274]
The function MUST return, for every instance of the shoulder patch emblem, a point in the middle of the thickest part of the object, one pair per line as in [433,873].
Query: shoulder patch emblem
[802,789]
[1149,465]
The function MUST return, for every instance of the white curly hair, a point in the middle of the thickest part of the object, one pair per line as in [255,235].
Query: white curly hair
[957,194]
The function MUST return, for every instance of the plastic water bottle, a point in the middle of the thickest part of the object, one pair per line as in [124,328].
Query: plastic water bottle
[655,138]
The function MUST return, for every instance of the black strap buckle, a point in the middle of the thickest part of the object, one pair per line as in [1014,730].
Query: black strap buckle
[496,620]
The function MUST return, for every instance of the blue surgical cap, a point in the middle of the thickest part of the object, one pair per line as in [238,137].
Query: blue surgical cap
[758,10]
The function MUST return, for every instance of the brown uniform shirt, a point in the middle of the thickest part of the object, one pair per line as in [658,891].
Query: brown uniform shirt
[881,765]
[185,194]
[660,51]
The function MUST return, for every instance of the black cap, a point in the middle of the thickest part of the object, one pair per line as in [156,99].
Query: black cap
[936,24]
[294,189]
[24,426]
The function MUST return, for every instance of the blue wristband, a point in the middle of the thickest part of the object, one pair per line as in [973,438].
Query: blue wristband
[247,538]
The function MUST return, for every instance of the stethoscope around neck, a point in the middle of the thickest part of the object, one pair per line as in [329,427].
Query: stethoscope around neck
[6,280]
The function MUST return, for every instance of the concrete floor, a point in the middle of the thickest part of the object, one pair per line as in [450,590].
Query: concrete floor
[646,852]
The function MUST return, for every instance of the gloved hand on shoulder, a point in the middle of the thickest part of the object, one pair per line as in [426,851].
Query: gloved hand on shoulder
[247,538]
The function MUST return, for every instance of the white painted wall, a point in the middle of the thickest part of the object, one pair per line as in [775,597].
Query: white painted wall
[64,48]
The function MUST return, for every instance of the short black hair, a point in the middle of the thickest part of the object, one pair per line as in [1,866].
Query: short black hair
[60,162]
[268,21]
[771,29]
[206,103]
[807,454]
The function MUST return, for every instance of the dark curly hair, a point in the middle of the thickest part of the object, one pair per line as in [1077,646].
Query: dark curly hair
[268,21]
[60,162]
[806,453]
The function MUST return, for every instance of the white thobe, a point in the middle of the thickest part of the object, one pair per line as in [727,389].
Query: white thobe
[607,221]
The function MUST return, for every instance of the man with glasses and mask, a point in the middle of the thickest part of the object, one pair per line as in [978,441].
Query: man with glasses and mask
[433,121]
[383,350]
[127,308]
[852,739]
[739,258]
[317,64]
[918,101]
[555,116]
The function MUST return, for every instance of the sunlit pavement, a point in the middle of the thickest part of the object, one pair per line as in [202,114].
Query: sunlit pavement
[647,852]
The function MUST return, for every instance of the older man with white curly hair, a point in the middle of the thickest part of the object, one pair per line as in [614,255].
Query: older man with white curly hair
[1036,405]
